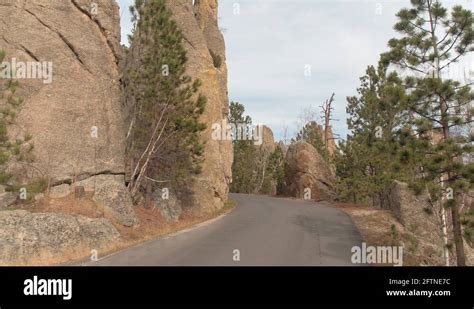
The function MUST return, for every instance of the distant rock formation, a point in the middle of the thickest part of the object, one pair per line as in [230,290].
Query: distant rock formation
[76,121]
[331,142]
[306,169]
[268,141]
[263,153]
[206,61]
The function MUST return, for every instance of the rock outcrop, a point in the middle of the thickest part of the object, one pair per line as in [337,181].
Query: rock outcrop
[306,169]
[206,61]
[264,184]
[331,142]
[415,213]
[48,237]
[109,190]
[268,141]
[6,198]
[169,208]
[76,120]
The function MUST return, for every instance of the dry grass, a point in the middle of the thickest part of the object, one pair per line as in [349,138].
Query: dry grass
[84,206]
[379,227]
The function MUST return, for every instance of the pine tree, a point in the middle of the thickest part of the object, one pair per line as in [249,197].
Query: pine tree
[163,139]
[431,41]
[275,173]
[313,134]
[18,149]
[244,166]
[367,163]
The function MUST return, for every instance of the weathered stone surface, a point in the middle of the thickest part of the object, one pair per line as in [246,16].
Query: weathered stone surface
[39,197]
[268,141]
[59,191]
[202,36]
[331,142]
[84,92]
[264,151]
[79,191]
[306,168]
[77,121]
[6,198]
[110,191]
[26,236]
[169,208]
[413,212]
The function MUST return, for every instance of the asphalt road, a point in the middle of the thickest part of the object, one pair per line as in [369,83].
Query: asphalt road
[261,231]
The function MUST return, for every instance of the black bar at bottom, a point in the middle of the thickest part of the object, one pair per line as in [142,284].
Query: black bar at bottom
[244,285]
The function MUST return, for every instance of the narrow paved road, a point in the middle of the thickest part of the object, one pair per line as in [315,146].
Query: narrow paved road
[266,232]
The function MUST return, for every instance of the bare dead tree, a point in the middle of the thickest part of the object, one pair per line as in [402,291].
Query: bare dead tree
[142,165]
[327,117]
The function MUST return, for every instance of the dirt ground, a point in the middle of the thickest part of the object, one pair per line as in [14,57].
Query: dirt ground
[379,227]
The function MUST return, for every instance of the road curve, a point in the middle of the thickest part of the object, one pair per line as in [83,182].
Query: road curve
[266,231]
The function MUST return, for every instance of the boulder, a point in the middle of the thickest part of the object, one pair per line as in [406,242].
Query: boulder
[111,193]
[76,119]
[26,236]
[169,208]
[305,168]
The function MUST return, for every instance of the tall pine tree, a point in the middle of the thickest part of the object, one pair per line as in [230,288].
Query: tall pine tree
[163,146]
[367,163]
[432,41]
[313,134]
[244,167]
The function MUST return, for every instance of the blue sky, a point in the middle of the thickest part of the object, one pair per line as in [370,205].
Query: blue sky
[270,43]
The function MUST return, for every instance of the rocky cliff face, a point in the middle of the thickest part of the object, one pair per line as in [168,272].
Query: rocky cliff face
[78,123]
[206,53]
[76,120]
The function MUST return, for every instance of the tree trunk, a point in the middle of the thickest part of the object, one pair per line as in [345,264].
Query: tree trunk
[458,240]
[457,233]
[445,235]
[327,118]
